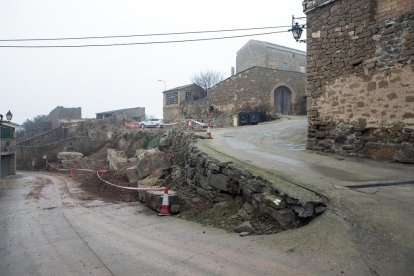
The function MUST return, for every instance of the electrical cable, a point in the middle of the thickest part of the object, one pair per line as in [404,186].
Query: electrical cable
[140,35]
[138,43]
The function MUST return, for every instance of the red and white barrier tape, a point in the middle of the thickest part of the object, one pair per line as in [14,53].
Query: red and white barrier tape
[109,183]
[130,188]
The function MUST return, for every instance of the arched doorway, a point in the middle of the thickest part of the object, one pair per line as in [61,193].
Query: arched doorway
[282,96]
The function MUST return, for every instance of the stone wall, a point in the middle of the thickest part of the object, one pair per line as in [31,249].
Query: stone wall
[360,79]
[250,90]
[288,204]
[265,54]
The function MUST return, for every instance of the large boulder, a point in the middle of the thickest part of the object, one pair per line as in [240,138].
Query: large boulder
[151,161]
[115,158]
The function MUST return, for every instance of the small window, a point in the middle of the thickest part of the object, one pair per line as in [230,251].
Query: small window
[285,66]
[188,96]
[171,98]
[293,55]
[302,68]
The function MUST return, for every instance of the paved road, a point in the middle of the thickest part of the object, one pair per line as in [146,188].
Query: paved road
[49,226]
[371,208]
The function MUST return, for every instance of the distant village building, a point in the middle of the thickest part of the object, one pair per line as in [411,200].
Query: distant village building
[64,115]
[180,96]
[276,89]
[7,148]
[360,78]
[264,54]
[136,113]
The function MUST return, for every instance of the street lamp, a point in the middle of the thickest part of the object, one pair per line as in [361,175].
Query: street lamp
[9,116]
[165,84]
[297,29]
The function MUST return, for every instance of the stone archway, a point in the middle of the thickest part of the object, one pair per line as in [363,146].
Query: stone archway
[282,100]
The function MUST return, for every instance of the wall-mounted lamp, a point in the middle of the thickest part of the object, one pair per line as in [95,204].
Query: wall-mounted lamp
[297,29]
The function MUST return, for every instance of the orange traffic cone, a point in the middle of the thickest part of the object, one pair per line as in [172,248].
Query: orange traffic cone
[209,132]
[210,125]
[71,173]
[165,207]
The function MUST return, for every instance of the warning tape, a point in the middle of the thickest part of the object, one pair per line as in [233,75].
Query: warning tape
[130,188]
[109,183]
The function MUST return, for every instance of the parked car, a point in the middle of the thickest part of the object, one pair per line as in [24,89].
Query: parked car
[152,123]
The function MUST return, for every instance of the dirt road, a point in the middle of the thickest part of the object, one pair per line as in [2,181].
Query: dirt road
[51,227]
[370,215]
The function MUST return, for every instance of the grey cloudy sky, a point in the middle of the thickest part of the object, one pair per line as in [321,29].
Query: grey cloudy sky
[34,81]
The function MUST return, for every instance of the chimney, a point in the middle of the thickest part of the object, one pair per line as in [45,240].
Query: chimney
[232,71]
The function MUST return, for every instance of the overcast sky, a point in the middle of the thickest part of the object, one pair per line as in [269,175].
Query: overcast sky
[34,81]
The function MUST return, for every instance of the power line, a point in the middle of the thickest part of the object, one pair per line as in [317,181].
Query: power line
[140,35]
[138,43]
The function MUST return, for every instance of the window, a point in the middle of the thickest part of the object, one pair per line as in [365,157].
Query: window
[188,96]
[302,68]
[285,66]
[171,98]
[6,132]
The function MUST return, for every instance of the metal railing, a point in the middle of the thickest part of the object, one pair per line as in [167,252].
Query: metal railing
[7,145]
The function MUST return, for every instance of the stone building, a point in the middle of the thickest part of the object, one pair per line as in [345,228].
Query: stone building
[269,90]
[7,148]
[360,78]
[180,96]
[136,113]
[264,54]
[62,114]
[255,89]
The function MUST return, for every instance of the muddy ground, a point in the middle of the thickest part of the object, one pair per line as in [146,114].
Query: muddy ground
[224,211]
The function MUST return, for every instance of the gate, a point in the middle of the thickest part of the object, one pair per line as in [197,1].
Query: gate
[282,96]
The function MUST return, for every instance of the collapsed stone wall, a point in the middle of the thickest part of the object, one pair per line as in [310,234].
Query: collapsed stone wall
[211,177]
[360,81]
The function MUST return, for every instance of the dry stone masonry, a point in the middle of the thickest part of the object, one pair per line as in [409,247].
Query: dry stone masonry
[212,178]
[360,79]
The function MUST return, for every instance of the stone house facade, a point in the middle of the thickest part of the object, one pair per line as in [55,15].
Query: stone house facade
[271,82]
[360,78]
[64,114]
[264,54]
[174,100]
[7,148]
[255,89]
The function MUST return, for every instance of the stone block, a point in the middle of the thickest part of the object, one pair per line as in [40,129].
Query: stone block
[255,185]
[151,162]
[132,174]
[219,181]
[274,202]
[284,217]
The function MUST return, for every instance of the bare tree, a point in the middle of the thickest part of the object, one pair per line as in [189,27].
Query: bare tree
[207,79]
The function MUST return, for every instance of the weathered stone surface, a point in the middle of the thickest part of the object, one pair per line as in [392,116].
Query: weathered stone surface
[115,158]
[274,201]
[245,227]
[151,162]
[405,153]
[66,155]
[132,174]
[361,76]
[285,217]
[219,181]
